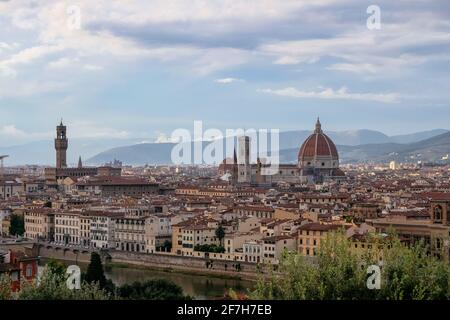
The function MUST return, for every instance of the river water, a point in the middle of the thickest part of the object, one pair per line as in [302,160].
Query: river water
[199,287]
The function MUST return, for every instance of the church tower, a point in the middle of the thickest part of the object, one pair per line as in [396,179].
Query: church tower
[61,144]
[244,165]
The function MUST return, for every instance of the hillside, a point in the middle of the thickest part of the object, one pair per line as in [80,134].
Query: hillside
[356,145]
[432,149]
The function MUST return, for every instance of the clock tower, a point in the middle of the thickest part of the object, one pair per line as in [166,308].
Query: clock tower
[61,144]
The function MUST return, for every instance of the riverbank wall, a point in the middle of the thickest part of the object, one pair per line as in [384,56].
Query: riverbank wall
[165,262]
[158,261]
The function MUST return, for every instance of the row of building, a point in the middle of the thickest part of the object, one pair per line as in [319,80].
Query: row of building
[251,233]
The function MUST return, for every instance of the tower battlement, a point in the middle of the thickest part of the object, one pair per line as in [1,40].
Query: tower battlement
[61,145]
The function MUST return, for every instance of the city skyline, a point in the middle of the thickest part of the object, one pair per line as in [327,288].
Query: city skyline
[234,151]
[148,69]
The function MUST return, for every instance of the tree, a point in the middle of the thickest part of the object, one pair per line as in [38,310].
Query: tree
[52,286]
[209,248]
[159,289]
[220,233]
[17,226]
[5,287]
[56,267]
[95,272]
[340,273]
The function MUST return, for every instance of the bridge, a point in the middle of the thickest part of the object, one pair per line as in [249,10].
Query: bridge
[59,252]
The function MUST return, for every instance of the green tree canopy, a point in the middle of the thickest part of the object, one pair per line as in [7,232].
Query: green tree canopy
[17,227]
[95,272]
[159,289]
[338,273]
[52,286]
[209,248]
[220,233]
[56,267]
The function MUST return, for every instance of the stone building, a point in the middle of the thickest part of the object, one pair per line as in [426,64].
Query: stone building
[39,224]
[363,211]
[61,145]
[318,161]
[56,175]
[435,231]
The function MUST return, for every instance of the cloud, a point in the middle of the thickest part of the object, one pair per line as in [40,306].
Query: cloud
[12,131]
[10,89]
[329,93]
[90,129]
[163,138]
[260,39]
[77,129]
[27,56]
[63,63]
[397,47]
[91,67]
[228,80]
[288,60]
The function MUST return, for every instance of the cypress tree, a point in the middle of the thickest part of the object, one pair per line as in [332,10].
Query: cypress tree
[95,271]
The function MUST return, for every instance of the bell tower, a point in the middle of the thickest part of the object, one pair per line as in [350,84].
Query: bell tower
[61,144]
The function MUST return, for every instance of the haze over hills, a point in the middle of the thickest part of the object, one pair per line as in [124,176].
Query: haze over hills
[353,146]
[293,139]
[43,152]
[431,149]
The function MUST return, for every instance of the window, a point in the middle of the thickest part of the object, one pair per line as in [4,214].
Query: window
[438,213]
[29,271]
[15,276]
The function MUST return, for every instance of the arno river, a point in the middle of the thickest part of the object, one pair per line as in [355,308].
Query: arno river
[196,286]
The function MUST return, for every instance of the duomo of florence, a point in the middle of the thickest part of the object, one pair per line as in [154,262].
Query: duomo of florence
[318,162]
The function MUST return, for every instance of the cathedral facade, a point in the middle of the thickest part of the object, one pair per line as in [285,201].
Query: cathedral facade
[318,161]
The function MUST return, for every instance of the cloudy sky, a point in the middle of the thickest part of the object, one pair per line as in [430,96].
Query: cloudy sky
[140,69]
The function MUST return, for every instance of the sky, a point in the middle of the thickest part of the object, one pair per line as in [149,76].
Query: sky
[141,69]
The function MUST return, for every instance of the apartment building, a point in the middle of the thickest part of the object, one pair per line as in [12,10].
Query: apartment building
[85,230]
[311,235]
[273,248]
[114,186]
[158,230]
[193,232]
[39,224]
[260,212]
[253,251]
[234,242]
[129,234]
[435,231]
[9,189]
[67,228]
[102,229]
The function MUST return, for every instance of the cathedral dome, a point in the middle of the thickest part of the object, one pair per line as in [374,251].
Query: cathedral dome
[318,145]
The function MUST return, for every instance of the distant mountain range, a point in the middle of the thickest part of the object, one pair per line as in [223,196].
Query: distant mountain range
[353,146]
[43,152]
[432,149]
[293,139]
[375,147]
